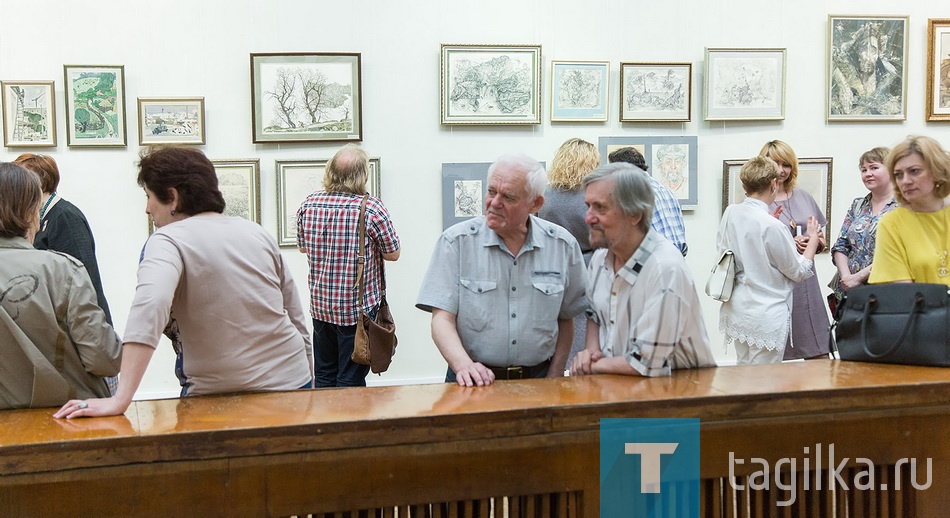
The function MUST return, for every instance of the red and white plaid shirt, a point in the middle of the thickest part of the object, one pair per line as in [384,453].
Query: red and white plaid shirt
[328,229]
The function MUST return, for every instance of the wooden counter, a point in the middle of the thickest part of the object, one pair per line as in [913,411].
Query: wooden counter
[529,447]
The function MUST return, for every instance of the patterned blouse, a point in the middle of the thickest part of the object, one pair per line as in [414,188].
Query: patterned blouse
[857,237]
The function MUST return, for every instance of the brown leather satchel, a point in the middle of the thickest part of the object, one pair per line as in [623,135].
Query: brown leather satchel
[375,341]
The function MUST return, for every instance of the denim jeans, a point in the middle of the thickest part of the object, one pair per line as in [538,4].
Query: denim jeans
[332,349]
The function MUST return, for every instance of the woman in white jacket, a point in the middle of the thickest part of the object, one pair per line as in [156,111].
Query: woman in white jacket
[758,315]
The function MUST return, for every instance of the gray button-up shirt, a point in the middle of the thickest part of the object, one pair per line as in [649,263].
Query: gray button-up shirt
[506,307]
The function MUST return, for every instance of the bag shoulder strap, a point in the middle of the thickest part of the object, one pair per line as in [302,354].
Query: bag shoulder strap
[361,258]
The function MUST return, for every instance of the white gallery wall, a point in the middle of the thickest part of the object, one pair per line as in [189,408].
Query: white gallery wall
[187,48]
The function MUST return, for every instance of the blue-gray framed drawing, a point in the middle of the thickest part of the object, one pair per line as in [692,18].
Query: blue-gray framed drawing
[744,84]
[579,91]
[656,92]
[463,191]
[491,84]
[672,161]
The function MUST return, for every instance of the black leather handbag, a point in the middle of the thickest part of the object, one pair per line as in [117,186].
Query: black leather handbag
[896,323]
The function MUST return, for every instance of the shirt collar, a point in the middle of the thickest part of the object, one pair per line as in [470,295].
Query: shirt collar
[532,240]
[756,203]
[632,268]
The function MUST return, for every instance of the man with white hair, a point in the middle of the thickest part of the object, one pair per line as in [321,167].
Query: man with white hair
[503,288]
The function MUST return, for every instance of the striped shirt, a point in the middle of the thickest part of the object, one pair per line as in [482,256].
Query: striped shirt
[668,215]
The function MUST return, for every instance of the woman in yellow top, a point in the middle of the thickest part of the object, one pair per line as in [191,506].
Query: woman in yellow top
[913,239]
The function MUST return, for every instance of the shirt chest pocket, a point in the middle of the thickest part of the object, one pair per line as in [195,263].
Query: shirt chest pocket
[477,299]
[546,299]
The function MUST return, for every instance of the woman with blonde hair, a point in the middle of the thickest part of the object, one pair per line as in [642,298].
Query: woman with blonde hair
[913,239]
[793,207]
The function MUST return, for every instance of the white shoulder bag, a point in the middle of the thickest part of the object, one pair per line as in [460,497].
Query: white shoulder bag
[723,277]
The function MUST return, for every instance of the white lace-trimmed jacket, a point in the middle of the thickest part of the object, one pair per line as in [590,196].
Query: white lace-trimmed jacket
[759,312]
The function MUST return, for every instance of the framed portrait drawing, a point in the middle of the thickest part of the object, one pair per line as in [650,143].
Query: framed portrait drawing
[659,92]
[744,84]
[671,161]
[579,91]
[306,97]
[95,105]
[463,191]
[814,177]
[171,120]
[29,113]
[490,84]
[867,68]
[240,183]
[938,69]
[297,179]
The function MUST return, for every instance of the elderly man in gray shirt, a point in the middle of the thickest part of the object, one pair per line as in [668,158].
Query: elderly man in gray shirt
[503,288]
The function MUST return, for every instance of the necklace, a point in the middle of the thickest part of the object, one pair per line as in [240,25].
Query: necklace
[942,270]
[787,211]
[48,201]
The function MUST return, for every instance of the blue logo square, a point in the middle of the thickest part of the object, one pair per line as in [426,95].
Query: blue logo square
[649,467]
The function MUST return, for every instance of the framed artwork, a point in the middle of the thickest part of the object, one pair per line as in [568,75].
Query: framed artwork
[867,68]
[95,105]
[938,69]
[491,84]
[579,91]
[814,176]
[672,161]
[171,120]
[306,97]
[240,183]
[659,92]
[744,84]
[463,191]
[29,113]
[297,179]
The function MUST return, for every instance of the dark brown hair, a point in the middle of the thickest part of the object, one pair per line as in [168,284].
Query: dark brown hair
[188,171]
[44,166]
[629,155]
[19,200]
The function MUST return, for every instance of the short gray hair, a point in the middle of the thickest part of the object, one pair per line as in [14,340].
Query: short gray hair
[536,180]
[632,191]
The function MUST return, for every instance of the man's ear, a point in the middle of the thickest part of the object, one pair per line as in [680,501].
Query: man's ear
[537,204]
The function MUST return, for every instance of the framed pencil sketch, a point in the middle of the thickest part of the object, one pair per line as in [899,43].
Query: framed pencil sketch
[463,191]
[744,84]
[814,177]
[95,105]
[938,69]
[660,92]
[29,113]
[579,91]
[491,84]
[171,120]
[306,97]
[297,179]
[672,161]
[867,68]
[240,183]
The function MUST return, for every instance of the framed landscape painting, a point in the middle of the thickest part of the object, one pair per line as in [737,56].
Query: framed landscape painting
[95,105]
[172,120]
[744,84]
[938,69]
[659,92]
[814,176]
[672,161]
[29,113]
[297,179]
[240,183]
[306,97]
[579,91]
[491,84]
[867,68]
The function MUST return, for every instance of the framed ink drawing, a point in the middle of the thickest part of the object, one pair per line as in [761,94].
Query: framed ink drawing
[579,91]
[490,84]
[29,113]
[672,161]
[938,69]
[240,183]
[95,105]
[814,176]
[867,68]
[306,97]
[297,179]
[463,191]
[171,120]
[659,92]
[744,84]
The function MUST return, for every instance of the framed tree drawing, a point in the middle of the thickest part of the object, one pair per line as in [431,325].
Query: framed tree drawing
[95,105]
[814,176]
[938,69]
[297,179]
[29,113]
[672,161]
[491,84]
[579,91]
[306,97]
[240,183]
[660,92]
[867,68]
[744,84]
[171,120]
